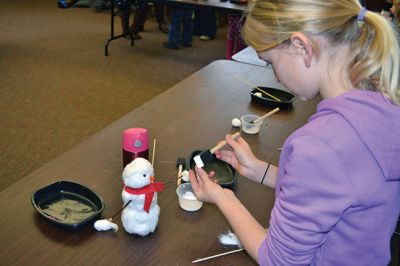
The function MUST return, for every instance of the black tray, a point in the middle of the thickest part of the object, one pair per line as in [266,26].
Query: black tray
[68,204]
[240,2]
[285,97]
[226,175]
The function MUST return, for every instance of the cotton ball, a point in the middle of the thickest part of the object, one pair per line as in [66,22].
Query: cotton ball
[236,122]
[258,94]
[185,176]
[189,195]
[105,225]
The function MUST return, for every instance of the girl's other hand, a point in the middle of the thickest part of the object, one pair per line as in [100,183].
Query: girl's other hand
[205,186]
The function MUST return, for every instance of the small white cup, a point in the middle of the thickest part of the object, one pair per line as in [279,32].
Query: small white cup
[187,198]
[248,127]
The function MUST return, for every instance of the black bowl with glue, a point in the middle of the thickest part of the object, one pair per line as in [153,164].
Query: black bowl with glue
[67,204]
[285,98]
[225,174]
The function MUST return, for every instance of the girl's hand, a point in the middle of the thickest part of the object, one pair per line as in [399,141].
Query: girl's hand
[241,158]
[205,186]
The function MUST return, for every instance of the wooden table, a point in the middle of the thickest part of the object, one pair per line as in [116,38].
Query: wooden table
[194,114]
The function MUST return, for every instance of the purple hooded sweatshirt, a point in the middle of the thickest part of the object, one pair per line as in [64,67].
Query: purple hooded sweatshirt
[337,197]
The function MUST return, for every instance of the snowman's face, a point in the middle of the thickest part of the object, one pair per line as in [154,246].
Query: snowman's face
[137,174]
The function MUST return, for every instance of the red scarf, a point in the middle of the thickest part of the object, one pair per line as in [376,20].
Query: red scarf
[148,190]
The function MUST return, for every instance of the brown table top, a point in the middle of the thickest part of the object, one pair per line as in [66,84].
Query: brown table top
[194,114]
[214,5]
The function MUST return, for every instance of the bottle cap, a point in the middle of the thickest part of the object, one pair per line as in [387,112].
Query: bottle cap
[135,139]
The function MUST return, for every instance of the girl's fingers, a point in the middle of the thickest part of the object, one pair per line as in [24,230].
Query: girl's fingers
[193,180]
[231,142]
[212,177]
[200,173]
[211,174]
[225,156]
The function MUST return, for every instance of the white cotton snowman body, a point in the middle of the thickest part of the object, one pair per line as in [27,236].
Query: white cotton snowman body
[141,215]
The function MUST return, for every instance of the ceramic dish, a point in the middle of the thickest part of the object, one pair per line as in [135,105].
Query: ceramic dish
[68,204]
[285,97]
[226,175]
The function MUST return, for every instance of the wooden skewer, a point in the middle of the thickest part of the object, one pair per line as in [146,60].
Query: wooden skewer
[154,152]
[218,255]
[266,115]
[257,88]
[123,207]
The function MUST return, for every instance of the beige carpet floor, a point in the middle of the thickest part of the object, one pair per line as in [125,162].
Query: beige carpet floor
[57,87]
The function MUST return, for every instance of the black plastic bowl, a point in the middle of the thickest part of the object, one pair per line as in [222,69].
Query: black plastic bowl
[226,175]
[286,98]
[67,204]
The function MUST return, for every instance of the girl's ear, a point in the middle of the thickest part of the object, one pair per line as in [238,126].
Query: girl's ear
[303,46]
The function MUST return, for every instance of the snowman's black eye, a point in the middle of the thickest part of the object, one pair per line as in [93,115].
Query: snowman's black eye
[144,175]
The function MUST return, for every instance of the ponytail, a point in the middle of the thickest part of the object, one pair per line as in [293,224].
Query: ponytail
[377,58]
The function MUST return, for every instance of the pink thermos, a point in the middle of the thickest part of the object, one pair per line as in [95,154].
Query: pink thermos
[135,143]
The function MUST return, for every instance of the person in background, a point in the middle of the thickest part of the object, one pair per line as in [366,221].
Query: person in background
[205,24]
[140,18]
[337,186]
[395,10]
[181,28]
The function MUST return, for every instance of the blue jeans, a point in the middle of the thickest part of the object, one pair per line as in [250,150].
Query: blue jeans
[181,28]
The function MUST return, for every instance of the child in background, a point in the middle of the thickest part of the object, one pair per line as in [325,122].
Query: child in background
[181,29]
[395,10]
[337,187]
[205,24]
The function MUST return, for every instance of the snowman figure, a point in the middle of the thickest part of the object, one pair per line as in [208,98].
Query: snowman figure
[140,216]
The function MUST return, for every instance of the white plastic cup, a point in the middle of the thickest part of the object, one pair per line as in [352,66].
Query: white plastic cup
[187,198]
[248,127]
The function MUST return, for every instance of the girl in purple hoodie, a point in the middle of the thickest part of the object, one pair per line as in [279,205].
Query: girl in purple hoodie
[337,186]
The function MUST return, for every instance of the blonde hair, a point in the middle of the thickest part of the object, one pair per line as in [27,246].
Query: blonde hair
[374,64]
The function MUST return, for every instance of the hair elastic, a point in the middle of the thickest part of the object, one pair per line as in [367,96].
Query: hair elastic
[360,17]
[265,174]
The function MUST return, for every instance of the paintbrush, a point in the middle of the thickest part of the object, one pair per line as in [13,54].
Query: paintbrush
[207,156]
[255,121]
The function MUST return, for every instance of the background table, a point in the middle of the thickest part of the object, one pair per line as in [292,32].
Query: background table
[212,5]
[234,41]
[194,114]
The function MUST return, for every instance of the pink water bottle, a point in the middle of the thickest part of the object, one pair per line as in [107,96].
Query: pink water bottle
[135,143]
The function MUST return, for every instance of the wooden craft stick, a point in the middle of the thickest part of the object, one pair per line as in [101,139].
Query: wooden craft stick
[257,88]
[266,115]
[218,255]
